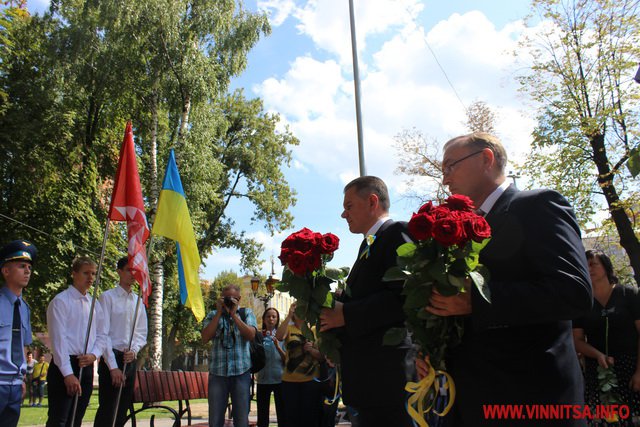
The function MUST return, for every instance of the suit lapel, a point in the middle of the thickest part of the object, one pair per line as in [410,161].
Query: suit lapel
[361,261]
[498,213]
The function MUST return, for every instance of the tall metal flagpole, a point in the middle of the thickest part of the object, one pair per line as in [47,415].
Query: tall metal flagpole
[356,83]
[133,330]
[96,285]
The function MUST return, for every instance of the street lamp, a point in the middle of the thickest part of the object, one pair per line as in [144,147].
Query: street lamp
[269,285]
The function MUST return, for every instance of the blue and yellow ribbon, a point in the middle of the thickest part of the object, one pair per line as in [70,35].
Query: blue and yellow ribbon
[369,239]
[420,391]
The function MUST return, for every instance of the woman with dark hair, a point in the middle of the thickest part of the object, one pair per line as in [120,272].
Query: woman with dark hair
[269,378]
[608,335]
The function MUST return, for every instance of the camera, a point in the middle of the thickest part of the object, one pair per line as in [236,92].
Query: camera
[229,302]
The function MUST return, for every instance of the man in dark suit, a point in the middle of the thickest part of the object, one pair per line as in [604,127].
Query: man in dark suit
[518,350]
[373,375]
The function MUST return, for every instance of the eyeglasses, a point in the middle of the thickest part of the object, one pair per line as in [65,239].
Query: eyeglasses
[449,168]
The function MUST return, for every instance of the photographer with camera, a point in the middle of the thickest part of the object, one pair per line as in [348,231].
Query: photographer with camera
[230,359]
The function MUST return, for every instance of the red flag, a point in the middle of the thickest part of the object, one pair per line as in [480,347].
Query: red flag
[127,205]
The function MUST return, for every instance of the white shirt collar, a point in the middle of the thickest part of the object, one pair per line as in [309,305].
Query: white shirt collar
[122,291]
[374,229]
[487,205]
[75,293]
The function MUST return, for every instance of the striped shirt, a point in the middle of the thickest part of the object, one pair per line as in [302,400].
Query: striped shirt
[230,354]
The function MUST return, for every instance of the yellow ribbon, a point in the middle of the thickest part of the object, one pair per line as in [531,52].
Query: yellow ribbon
[336,393]
[369,239]
[419,392]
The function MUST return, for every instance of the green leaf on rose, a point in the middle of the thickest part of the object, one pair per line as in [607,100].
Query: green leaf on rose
[456,281]
[406,250]
[321,294]
[301,309]
[472,260]
[446,289]
[283,286]
[335,274]
[417,297]
[306,332]
[458,268]
[423,314]
[480,278]
[395,273]
[477,247]
[394,336]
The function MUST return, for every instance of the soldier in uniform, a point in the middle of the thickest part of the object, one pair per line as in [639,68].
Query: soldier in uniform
[16,263]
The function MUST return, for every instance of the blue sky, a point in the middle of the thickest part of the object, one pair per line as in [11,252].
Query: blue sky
[303,71]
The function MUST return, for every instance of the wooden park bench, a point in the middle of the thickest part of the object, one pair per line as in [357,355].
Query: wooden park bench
[154,389]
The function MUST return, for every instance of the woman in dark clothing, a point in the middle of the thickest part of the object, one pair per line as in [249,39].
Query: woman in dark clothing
[608,336]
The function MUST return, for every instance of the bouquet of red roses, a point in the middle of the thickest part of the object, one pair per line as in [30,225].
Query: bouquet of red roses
[444,258]
[305,255]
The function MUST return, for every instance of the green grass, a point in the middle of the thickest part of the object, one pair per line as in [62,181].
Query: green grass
[37,416]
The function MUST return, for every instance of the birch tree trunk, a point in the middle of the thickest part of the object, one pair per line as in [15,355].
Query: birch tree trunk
[156,271]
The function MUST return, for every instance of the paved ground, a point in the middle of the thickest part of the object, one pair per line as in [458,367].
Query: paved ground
[200,417]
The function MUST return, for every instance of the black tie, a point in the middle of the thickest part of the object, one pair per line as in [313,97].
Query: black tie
[363,246]
[16,337]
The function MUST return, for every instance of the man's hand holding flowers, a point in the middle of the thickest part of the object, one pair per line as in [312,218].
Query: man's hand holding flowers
[455,305]
[332,317]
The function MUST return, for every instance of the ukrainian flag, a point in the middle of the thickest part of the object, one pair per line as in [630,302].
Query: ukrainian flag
[174,222]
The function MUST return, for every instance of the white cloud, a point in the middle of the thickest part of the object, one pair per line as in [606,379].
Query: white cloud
[271,243]
[326,22]
[308,89]
[277,10]
[403,87]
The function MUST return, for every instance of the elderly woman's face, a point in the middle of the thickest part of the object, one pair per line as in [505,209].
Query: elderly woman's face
[596,269]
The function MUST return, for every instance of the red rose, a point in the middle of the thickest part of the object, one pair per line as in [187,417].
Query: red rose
[449,231]
[303,240]
[285,253]
[426,208]
[297,263]
[439,212]
[458,202]
[301,263]
[420,226]
[329,243]
[477,228]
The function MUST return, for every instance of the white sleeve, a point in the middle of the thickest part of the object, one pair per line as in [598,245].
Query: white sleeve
[56,315]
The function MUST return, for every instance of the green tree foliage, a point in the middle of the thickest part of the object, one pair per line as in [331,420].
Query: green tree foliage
[69,81]
[582,65]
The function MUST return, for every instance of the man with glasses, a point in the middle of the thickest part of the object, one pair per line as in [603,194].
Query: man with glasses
[517,350]
[231,330]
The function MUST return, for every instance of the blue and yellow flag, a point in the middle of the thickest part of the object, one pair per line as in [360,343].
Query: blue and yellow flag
[174,222]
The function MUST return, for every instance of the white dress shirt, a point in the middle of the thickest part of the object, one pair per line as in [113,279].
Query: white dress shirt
[375,227]
[488,203]
[67,320]
[119,307]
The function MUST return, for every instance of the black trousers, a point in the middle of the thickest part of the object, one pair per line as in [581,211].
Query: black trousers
[60,403]
[384,416]
[108,394]
[263,396]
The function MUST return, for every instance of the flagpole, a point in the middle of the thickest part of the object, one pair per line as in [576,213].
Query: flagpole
[96,285]
[356,84]
[133,330]
[124,366]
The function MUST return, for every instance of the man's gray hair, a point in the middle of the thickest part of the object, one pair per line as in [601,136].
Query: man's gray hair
[480,140]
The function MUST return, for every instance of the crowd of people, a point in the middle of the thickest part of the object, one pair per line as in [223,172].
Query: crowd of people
[552,305]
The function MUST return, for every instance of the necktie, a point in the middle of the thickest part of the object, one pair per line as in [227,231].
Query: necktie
[16,337]
[365,247]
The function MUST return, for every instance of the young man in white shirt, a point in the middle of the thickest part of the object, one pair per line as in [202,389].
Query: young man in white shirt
[119,306]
